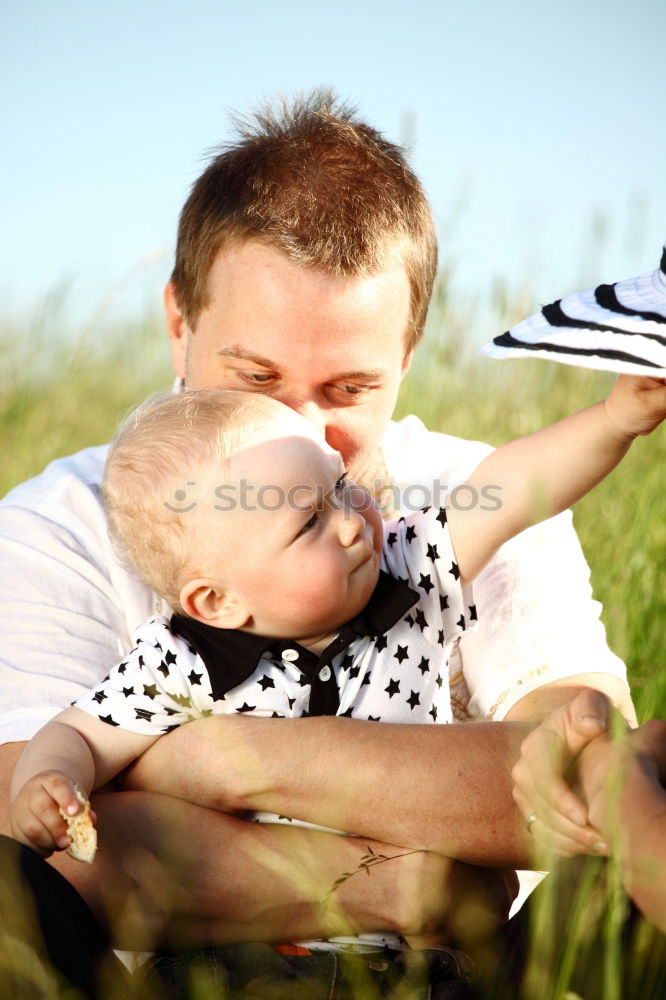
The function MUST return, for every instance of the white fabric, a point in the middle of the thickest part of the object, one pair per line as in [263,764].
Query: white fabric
[68,608]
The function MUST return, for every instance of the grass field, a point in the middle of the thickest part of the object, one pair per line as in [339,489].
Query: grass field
[56,399]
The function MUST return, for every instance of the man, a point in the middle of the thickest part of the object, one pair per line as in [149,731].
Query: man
[305,261]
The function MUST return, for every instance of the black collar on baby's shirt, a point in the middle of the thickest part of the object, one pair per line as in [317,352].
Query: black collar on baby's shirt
[231,656]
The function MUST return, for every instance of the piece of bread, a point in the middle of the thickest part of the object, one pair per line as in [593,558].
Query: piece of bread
[80,828]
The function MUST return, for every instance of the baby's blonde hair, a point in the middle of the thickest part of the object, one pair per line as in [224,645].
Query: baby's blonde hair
[157,456]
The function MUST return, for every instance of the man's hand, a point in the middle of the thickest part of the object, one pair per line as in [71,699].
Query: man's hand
[35,816]
[556,817]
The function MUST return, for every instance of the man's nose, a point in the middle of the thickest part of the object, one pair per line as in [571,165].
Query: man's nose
[309,409]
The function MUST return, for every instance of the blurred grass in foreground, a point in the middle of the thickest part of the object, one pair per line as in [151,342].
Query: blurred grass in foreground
[58,394]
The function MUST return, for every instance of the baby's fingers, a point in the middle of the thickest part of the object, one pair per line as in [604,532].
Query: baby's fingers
[62,790]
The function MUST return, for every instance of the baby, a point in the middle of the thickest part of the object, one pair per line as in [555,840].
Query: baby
[290,595]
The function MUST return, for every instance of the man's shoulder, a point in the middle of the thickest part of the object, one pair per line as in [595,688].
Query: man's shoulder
[82,469]
[416,455]
[68,486]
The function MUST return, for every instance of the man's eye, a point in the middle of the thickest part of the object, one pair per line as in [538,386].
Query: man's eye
[349,389]
[256,378]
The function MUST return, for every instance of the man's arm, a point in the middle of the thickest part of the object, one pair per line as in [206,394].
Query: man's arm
[212,879]
[452,784]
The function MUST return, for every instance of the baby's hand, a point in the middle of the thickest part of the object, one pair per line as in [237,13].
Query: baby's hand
[637,404]
[35,812]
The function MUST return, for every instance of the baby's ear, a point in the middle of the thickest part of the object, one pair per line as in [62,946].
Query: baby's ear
[205,601]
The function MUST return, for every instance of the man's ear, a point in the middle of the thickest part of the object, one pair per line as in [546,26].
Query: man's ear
[205,601]
[177,329]
[406,363]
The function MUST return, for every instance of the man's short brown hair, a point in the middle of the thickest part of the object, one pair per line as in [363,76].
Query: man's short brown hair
[314,182]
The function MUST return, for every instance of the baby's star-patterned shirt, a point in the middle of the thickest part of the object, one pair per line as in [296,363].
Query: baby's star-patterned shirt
[389,664]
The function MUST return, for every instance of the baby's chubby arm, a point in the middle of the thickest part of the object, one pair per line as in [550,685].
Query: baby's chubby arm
[74,750]
[543,473]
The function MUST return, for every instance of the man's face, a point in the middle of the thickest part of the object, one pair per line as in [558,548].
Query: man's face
[331,348]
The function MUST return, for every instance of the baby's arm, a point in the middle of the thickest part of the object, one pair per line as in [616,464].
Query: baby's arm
[74,750]
[542,474]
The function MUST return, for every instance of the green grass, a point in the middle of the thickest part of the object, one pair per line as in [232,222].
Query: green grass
[59,394]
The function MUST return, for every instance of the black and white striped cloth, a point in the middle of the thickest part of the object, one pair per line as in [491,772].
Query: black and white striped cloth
[619,328]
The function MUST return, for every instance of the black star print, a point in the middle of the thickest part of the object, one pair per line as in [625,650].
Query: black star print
[393,688]
[440,638]
[366,680]
[401,654]
[413,700]
[181,699]
[454,571]
[171,711]
[425,583]
[122,667]
[99,697]
[424,665]
[432,552]
[439,681]
[128,691]
[381,642]
[276,715]
[443,602]
[410,534]
[194,678]
[424,510]
[347,714]
[109,720]
[433,712]
[347,661]
[374,718]
[163,669]
[409,621]
[246,708]
[150,690]
[141,661]
[143,713]
[461,622]
[441,517]
[473,617]
[170,657]
[302,680]
[157,646]
[291,702]
[391,539]
[355,671]
[266,682]
[421,619]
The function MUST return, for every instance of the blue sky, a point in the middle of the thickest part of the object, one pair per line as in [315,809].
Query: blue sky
[528,121]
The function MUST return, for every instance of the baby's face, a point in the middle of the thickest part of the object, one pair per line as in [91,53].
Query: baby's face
[300,546]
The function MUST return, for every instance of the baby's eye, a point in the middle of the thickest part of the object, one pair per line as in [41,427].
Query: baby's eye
[341,483]
[309,524]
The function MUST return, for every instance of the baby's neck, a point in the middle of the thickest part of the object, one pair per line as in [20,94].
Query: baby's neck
[318,645]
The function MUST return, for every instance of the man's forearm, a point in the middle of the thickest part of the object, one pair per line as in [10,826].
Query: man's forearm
[441,788]
[168,869]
